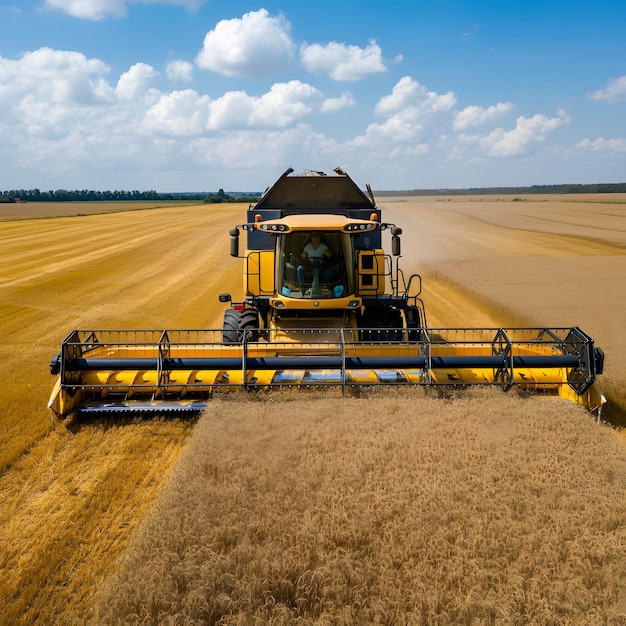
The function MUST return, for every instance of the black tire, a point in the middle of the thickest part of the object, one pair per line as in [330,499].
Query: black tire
[230,328]
[236,322]
[250,323]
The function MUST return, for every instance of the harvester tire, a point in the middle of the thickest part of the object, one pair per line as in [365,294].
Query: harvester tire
[236,322]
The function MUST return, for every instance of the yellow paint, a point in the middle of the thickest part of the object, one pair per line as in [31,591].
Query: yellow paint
[187,383]
[371,279]
[258,277]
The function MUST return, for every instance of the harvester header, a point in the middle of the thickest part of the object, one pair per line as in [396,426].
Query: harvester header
[324,304]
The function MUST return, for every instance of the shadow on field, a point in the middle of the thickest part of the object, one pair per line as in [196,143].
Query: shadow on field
[613,413]
[108,421]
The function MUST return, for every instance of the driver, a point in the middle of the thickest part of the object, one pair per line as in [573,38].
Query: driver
[314,251]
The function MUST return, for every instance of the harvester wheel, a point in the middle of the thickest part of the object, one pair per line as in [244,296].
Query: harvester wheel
[236,322]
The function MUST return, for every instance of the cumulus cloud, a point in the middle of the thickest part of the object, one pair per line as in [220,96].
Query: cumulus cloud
[180,113]
[89,9]
[409,94]
[64,108]
[330,105]
[282,106]
[186,113]
[615,91]
[255,45]
[472,116]
[341,61]
[285,104]
[55,76]
[238,150]
[135,81]
[608,146]
[179,70]
[101,9]
[527,131]
[59,105]
[61,112]
[412,123]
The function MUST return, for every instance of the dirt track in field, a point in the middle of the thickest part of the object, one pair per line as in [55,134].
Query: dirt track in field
[73,499]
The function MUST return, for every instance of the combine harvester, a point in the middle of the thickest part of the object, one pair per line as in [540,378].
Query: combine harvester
[324,305]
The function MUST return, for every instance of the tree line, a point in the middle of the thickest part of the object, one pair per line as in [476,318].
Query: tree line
[89,195]
[534,189]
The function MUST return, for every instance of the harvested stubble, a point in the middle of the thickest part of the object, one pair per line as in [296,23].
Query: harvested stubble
[396,508]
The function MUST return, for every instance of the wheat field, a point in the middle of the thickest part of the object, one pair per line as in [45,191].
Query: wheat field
[390,509]
[80,504]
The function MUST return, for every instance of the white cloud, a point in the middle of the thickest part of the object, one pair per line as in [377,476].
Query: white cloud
[231,111]
[336,104]
[285,104]
[478,116]
[409,93]
[135,81]
[401,95]
[63,112]
[50,75]
[404,127]
[239,150]
[186,113]
[413,120]
[58,112]
[527,131]
[615,91]
[89,9]
[282,106]
[179,70]
[610,146]
[255,45]
[180,113]
[101,9]
[342,62]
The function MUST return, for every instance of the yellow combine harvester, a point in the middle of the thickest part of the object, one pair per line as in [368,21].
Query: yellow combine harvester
[324,305]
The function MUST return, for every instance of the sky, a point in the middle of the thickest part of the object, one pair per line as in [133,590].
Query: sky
[198,95]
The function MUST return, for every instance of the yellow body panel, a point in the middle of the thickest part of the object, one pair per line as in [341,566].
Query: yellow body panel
[371,272]
[258,278]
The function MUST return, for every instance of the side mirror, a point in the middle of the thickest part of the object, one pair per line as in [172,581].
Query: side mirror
[395,245]
[234,242]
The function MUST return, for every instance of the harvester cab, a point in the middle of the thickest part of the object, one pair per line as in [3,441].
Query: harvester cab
[315,259]
[323,304]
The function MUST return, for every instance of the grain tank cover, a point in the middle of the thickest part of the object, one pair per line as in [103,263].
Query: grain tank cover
[314,192]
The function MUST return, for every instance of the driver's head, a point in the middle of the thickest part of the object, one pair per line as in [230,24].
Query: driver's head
[315,236]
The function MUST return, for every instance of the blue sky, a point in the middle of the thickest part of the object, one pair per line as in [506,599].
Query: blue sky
[197,95]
